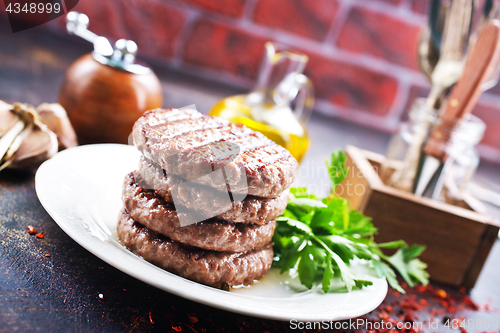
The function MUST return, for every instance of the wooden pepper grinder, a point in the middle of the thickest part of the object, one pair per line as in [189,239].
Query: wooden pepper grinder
[106,91]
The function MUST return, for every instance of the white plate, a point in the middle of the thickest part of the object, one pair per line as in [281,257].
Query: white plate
[81,190]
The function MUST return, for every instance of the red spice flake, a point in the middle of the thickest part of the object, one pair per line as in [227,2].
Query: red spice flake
[101,296]
[441,293]
[47,255]
[31,230]
[384,315]
[124,289]
[151,318]
[434,301]
[39,235]
[7,273]
[193,319]
[191,327]
[177,328]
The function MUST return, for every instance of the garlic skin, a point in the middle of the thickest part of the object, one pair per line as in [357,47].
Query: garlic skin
[40,145]
[25,141]
[55,118]
[7,118]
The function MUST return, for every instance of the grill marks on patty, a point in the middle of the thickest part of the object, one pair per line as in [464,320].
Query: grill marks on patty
[188,145]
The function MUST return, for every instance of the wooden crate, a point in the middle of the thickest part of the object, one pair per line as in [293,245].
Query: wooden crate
[458,238]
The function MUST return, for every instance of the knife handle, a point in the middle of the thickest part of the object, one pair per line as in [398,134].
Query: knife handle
[479,68]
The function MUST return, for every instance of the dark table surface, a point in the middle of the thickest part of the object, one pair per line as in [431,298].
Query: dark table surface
[60,292]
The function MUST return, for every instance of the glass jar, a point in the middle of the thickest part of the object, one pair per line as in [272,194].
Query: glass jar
[404,152]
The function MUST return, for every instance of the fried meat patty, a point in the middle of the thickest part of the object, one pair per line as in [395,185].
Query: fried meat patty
[212,151]
[208,267]
[152,212]
[206,200]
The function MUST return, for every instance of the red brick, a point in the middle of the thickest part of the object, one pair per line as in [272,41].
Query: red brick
[415,92]
[381,36]
[420,6]
[154,26]
[234,8]
[303,17]
[491,116]
[224,48]
[352,86]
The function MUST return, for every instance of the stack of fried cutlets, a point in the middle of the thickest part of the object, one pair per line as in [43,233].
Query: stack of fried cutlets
[204,200]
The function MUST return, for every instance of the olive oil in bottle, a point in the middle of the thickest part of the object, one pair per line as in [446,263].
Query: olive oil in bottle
[285,131]
[268,108]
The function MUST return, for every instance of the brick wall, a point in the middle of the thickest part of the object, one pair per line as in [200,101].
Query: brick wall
[362,52]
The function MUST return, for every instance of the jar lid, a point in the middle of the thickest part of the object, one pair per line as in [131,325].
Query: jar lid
[122,56]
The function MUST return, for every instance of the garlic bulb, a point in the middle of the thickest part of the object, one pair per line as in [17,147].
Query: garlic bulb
[24,138]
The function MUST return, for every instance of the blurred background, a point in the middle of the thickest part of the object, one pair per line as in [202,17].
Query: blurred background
[363,60]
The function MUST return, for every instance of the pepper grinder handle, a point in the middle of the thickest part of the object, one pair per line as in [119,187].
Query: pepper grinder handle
[106,91]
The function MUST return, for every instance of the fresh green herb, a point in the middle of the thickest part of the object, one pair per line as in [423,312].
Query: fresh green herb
[319,238]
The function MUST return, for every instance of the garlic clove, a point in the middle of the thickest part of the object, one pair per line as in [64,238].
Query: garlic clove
[10,136]
[56,119]
[40,145]
[7,118]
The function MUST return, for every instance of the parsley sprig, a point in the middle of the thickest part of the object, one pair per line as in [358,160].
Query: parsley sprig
[320,237]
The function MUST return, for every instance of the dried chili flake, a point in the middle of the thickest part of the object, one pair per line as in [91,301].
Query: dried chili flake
[39,235]
[101,296]
[441,293]
[191,327]
[177,328]
[31,230]
[193,319]
[151,318]
[47,255]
